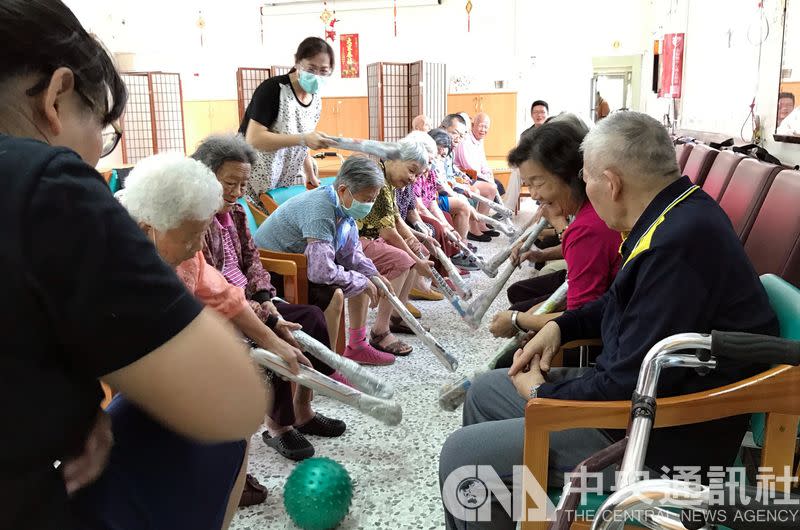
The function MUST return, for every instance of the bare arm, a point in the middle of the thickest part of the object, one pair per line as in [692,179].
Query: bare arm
[201,383]
[263,139]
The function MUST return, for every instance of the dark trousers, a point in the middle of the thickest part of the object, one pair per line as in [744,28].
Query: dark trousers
[527,293]
[313,321]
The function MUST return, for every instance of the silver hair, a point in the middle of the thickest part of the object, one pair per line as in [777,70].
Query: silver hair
[220,148]
[414,150]
[167,189]
[359,173]
[423,138]
[633,144]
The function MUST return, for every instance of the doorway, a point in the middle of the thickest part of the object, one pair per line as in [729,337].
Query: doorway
[614,87]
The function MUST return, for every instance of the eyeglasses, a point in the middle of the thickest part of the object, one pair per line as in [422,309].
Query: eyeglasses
[324,72]
[110,139]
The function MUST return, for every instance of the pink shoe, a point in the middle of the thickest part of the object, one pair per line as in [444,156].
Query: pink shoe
[366,354]
[337,376]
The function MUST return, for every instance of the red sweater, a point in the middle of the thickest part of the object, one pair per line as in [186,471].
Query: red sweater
[591,250]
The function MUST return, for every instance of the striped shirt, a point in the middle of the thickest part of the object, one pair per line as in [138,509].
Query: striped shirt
[230,265]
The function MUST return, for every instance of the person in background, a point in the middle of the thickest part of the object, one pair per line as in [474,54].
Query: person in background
[470,155]
[421,123]
[281,119]
[92,301]
[540,111]
[786,104]
[601,109]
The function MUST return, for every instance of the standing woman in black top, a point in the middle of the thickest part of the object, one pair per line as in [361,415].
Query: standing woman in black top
[280,119]
[87,298]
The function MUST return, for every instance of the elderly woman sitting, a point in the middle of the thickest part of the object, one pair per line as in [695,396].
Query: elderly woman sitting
[321,224]
[175,199]
[230,248]
[390,243]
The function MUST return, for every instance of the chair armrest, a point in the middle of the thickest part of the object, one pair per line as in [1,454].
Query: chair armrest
[258,214]
[284,267]
[268,202]
[298,279]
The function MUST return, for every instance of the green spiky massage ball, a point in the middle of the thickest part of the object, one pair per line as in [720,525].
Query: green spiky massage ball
[317,494]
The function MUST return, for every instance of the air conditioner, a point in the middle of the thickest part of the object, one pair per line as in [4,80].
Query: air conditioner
[297,7]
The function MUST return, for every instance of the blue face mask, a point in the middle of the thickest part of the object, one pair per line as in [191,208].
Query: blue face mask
[311,83]
[358,209]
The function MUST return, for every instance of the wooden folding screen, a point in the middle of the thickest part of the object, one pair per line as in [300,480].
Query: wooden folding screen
[153,119]
[399,91]
[247,81]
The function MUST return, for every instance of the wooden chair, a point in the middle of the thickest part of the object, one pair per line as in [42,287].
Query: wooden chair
[294,269]
[774,392]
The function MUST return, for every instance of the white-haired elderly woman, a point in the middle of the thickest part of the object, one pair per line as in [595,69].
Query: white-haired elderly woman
[390,243]
[321,224]
[229,247]
[174,199]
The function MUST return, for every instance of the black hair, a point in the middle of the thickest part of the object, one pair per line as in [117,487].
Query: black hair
[788,95]
[40,36]
[556,146]
[540,102]
[312,46]
[441,138]
[448,120]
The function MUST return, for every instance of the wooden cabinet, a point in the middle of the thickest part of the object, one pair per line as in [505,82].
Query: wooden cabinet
[501,108]
[346,116]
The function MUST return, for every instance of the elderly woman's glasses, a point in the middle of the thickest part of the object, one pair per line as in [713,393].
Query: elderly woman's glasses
[111,137]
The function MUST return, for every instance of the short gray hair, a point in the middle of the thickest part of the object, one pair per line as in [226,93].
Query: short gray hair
[633,144]
[412,150]
[167,189]
[425,139]
[220,148]
[359,173]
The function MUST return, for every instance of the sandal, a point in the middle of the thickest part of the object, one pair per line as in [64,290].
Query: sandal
[321,425]
[253,492]
[290,444]
[397,348]
[398,325]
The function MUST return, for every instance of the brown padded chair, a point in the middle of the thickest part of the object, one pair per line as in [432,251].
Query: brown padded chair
[773,244]
[719,174]
[745,193]
[682,152]
[699,162]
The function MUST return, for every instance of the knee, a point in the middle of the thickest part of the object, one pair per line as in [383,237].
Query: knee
[337,301]
[452,455]
[482,386]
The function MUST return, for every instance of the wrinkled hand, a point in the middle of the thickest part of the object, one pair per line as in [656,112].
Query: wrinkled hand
[82,470]
[374,294]
[293,356]
[524,381]
[315,140]
[284,329]
[270,308]
[545,344]
[515,258]
[423,267]
[534,255]
[501,325]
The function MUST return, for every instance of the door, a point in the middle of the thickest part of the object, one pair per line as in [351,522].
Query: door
[614,88]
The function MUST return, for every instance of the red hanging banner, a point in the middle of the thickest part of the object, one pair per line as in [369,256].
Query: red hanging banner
[348,54]
[672,71]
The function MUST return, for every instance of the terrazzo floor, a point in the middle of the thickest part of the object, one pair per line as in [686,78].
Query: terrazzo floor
[394,469]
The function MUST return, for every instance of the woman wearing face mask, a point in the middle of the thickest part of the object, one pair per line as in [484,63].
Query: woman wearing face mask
[280,119]
[93,300]
[321,224]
